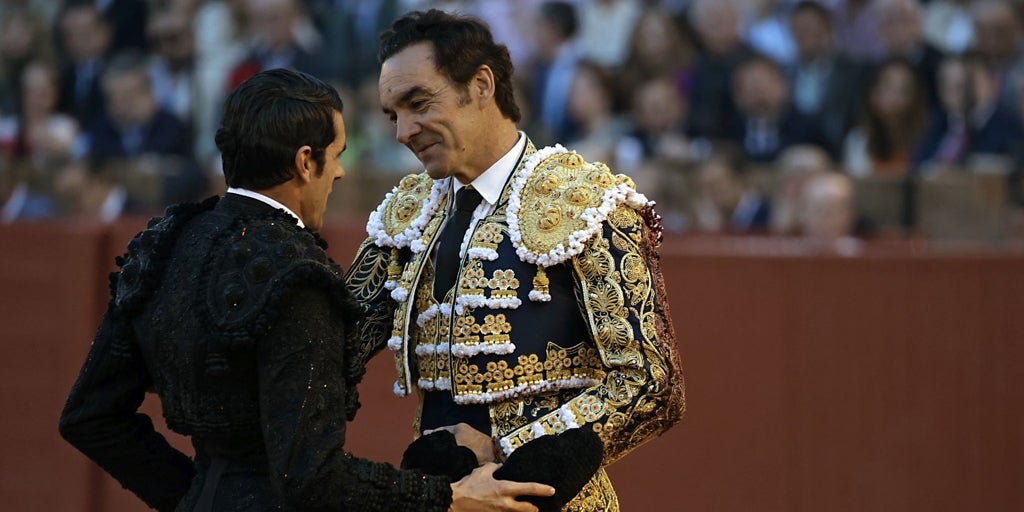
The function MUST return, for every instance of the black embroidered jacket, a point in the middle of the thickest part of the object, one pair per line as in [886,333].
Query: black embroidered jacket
[243,326]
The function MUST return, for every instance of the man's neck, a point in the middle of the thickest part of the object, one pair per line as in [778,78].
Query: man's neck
[492,151]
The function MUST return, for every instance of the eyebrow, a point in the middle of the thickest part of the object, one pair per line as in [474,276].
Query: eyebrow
[407,96]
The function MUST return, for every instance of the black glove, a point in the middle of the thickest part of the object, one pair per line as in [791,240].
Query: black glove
[565,461]
[437,453]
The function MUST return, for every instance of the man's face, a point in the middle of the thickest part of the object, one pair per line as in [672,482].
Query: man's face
[433,117]
[130,99]
[811,33]
[314,199]
[85,34]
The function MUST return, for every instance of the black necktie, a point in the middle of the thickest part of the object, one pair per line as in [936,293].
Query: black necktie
[446,263]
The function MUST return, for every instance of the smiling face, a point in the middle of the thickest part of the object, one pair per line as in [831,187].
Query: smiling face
[436,119]
[316,192]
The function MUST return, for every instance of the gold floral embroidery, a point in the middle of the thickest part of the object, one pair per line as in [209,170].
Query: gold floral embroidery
[596,496]
[503,284]
[559,365]
[488,236]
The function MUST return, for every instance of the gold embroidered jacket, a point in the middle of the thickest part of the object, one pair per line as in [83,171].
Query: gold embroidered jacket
[559,318]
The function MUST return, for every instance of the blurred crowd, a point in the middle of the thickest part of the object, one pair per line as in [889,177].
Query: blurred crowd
[830,118]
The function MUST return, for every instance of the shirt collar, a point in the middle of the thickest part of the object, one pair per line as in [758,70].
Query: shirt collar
[262,198]
[492,181]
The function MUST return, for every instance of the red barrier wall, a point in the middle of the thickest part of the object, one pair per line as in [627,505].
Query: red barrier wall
[891,381]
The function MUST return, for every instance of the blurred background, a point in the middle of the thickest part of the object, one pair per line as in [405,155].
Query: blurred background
[841,184]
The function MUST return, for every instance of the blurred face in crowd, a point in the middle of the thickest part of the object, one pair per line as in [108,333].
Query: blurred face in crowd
[588,96]
[86,33]
[17,37]
[719,183]
[39,89]
[900,26]
[718,24]
[760,90]
[894,93]
[995,30]
[272,21]
[657,38]
[171,36]
[811,33]
[827,212]
[129,97]
[436,119]
[315,194]
[658,107]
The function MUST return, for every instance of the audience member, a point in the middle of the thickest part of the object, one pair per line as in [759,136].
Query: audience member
[998,42]
[135,135]
[86,37]
[556,60]
[766,121]
[591,108]
[280,36]
[659,113]
[824,81]
[725,203]
[828,215]
[658,48]
[893,123]
[717,23]
[795,166]
[971,121]
[902,37]
[38,142]
[23,37]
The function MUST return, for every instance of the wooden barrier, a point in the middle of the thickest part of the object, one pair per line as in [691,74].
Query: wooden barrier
[889,381]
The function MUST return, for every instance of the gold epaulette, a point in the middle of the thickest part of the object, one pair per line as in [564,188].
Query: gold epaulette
[399,220]
[559,202]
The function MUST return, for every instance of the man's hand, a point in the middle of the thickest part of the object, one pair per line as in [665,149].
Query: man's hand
[480,491]
[481,444]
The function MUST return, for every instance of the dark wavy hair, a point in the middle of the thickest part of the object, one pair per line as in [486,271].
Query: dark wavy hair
[461,45]
[267,119]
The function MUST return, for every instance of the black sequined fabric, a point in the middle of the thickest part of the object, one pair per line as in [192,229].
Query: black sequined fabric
[243,326]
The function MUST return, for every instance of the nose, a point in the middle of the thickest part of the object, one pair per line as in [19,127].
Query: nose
[405,129]
[341,172]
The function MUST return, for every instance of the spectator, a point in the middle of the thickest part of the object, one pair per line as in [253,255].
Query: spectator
[795,166]
[38,142]
[657,48]
[998,42]
[902,37]
[172,62]
[557,57]
[766,122]
[971,122]
[138,136]
[725,204]
[825,82]
[23,37]
[894,121]
[717,23]
[281,36]
[828,216]
[857,26]
[658,116]
[86,37]
[591,108]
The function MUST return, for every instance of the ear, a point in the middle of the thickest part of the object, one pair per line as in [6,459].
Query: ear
[481,86]
[305,166]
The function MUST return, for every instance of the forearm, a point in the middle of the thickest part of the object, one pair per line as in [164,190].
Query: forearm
[101,421]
